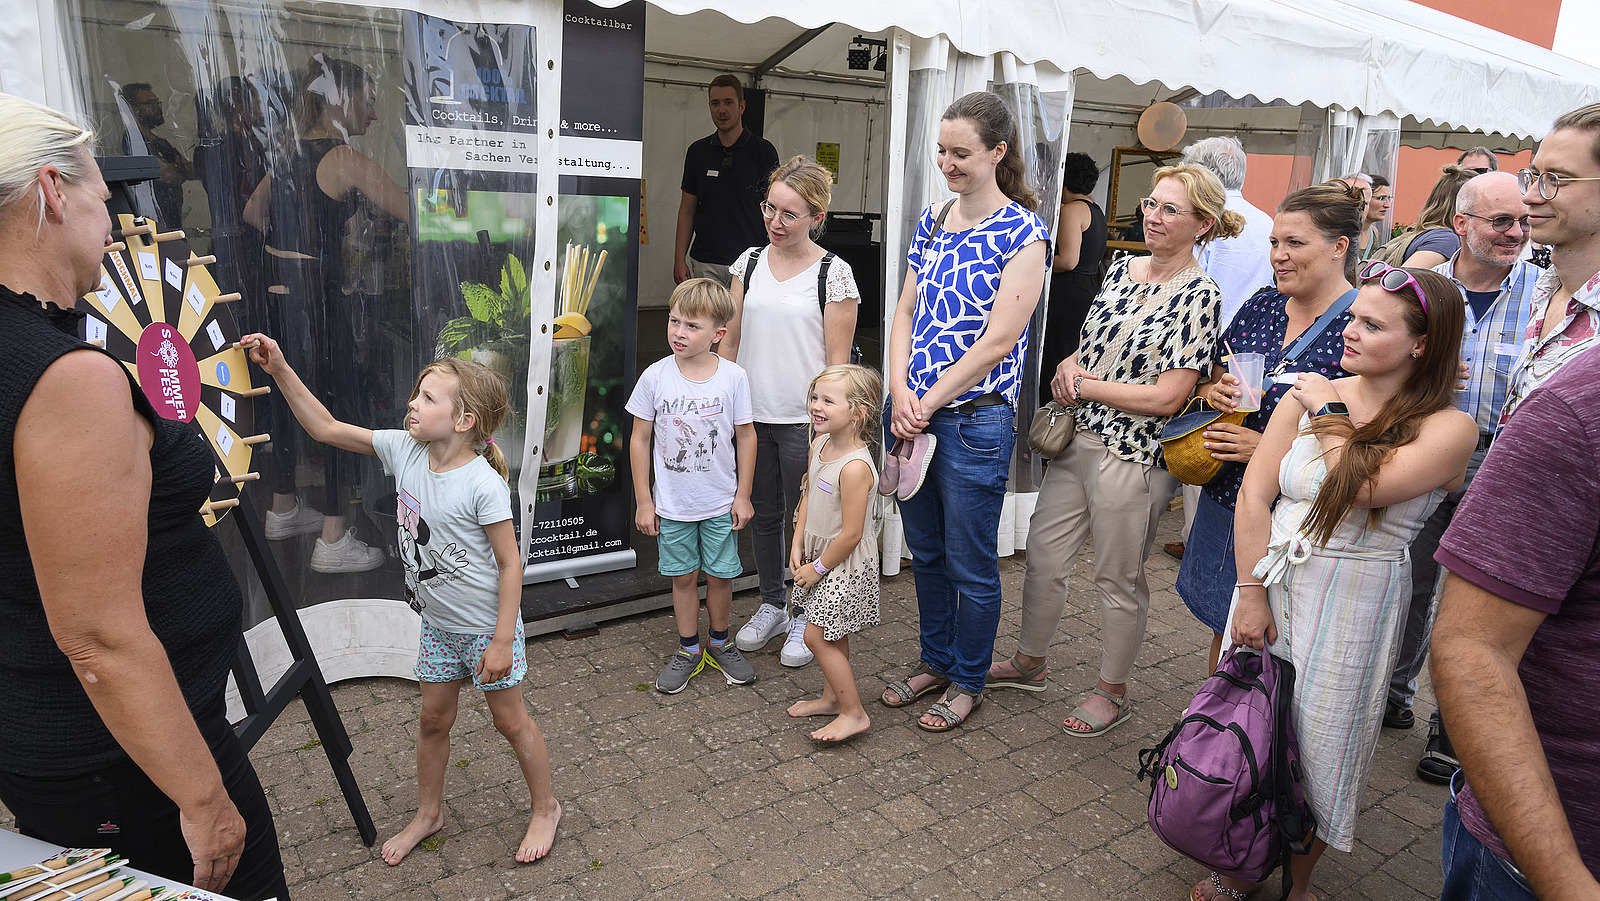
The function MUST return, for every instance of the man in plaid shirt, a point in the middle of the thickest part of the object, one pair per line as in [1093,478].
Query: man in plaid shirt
[1492,221]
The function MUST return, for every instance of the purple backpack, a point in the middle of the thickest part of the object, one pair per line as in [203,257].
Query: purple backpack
[1227,780]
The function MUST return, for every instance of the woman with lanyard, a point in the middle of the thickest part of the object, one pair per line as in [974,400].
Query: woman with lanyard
[1298,327]
[1149,335]
[796,315]
[975,272]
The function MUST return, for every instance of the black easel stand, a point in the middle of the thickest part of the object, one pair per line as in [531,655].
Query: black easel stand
[304,676]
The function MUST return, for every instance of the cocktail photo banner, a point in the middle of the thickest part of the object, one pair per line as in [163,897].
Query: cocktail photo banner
[582,515]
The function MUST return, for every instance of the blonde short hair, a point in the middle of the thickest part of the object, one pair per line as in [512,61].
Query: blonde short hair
[705,297]
[33,136]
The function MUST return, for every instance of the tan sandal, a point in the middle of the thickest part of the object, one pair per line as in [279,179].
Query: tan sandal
[907,695]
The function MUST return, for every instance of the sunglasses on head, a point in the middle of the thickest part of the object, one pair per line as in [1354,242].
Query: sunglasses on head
[1393,280]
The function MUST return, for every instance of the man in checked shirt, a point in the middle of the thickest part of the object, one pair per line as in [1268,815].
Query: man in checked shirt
[1492,221]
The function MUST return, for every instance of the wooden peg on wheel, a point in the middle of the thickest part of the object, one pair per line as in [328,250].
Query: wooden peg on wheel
[96,342]
[116,247]
[241,477]
[200,261]
[262,438]
[227,298]
[257,391]
[214,506]
[140,227]
[174,235]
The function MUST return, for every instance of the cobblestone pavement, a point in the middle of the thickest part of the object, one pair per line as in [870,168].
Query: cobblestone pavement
[716,793]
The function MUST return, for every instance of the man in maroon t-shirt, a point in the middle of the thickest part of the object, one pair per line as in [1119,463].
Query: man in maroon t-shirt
[1515,649]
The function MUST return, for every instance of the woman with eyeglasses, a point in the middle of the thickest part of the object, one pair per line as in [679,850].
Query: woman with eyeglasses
[1344,477]
[974,274]
[795,316]
[1148,337]
[1298,326]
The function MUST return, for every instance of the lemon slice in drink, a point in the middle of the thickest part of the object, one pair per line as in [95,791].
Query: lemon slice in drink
[572,325]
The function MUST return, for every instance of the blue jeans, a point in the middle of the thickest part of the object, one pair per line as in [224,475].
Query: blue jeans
[1471,871]
[951,527]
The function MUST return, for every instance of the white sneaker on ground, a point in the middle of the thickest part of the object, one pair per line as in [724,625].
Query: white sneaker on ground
[795,652]
[347,555]
[768,623]
[302,520]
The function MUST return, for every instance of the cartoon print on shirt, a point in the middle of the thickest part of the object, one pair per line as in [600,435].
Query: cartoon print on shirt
[423,563]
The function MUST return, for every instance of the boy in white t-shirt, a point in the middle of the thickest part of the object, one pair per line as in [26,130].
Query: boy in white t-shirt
[696,406]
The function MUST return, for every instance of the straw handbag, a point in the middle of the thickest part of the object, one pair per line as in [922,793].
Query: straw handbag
[1183,442]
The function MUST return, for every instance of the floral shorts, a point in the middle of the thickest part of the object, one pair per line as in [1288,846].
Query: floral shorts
[449,656]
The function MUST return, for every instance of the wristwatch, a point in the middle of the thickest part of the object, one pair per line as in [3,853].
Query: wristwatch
[1332,408]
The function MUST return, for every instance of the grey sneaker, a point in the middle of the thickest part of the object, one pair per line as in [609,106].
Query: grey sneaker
[735,668]
[680,669]
[768,623]
[347,555]
[301,520]
[795,652]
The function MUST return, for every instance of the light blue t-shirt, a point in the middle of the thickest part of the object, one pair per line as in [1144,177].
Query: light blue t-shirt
[958,274]
[451,575]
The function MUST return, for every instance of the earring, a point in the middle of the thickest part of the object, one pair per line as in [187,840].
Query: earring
[1415,355]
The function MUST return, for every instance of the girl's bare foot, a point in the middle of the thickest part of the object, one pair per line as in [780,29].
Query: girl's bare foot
[420,827]
[842,727]
[814,707]
[541,834]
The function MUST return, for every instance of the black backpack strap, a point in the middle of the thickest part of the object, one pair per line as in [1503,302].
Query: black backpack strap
[1293,826]
[822,282]
[750,265]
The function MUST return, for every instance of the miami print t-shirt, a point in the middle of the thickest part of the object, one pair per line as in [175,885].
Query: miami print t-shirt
[958,274]
[452,578]
[693,423]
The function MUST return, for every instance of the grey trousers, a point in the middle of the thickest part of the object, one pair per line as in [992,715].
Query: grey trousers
[1424,593]
[782,451]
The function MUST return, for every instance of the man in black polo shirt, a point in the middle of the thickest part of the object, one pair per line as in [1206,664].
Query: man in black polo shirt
[724,182]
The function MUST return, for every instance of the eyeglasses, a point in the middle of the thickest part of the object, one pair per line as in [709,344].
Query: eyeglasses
[1502,224]
[1549,182]
[1148,205]
[1481,170]
[787,218]
[1393,280]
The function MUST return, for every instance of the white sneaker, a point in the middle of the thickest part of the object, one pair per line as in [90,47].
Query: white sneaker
[302,520]
[347,555]
[795,652]
[768,623]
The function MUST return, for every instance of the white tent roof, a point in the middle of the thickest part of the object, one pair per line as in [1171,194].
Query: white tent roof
[1383,55]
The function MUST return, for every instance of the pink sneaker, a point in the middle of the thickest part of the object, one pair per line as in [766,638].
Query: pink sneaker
[914,468]
[889,480]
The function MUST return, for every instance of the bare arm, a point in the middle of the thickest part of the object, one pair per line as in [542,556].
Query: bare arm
[312,415]
[729,348]
[839,329]
[1070,225]
[1424,259]
[1021,283]
[496,662]
[1164,398]
[259,205]
[1252,526]
[906,419]
[680,244]
[644,516]
[83,485]
[1478,642]
[347,169]
[744,449]
[855,487]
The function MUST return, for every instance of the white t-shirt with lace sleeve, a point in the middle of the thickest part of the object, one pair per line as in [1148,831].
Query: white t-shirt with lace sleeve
[781,344]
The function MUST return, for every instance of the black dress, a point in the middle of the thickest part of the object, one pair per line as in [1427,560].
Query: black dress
[1071,294]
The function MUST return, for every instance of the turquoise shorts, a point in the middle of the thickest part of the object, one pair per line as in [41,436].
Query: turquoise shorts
[710,545]
[450,656]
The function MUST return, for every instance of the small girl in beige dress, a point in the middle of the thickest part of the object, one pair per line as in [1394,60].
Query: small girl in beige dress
[835,553]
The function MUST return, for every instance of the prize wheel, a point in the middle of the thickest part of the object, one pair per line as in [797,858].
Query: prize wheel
[159,311]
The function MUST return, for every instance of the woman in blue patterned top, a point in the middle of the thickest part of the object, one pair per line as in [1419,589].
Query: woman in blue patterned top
[955,368]
[1148,338]
[1313,235]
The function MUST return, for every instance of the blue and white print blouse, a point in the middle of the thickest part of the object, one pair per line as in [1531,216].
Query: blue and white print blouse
[958,274]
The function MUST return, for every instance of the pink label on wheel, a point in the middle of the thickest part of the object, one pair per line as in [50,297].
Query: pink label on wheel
[168,372]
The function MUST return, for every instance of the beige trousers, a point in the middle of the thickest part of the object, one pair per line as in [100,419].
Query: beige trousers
[714,271]
[1089,492]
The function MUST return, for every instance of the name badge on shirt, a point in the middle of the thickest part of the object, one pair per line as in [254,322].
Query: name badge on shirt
[823,484]
[1505,349]
[711,173]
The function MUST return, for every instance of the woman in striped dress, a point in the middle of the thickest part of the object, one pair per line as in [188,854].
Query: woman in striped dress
[1355,466]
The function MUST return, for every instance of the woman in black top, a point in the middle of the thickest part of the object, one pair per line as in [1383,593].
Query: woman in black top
[118,608]
[303,207]
[1075,267]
